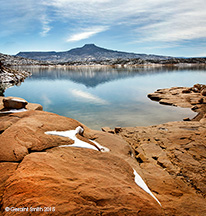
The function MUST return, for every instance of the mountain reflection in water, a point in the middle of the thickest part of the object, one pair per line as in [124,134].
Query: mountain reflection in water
[105,96]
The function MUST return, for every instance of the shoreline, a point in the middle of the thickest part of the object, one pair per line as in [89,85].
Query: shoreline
[10,77]
[178,65]
[185,97]
[169,157]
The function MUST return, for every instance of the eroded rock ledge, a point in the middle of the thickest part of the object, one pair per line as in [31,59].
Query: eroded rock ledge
[186,97]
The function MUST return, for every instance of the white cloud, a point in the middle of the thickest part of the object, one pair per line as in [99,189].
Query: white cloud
[46,102]
[22,16]
[45,30]
[45,25]
[168,20]
[86,33]
[139,21]
[88,97]
[187,24]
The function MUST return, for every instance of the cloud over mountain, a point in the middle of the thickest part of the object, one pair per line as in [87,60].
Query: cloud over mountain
[128,24]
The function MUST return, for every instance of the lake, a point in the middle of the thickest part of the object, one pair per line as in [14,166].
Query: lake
[104,96]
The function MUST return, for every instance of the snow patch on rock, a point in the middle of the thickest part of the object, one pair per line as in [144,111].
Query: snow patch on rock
[14,111]
[77,142]
[139,181]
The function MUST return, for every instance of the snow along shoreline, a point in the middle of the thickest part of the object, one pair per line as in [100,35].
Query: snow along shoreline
[10,77]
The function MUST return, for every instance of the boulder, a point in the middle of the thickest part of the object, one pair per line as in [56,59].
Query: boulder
[14,103]
[107,129]
[28,106]
[203,92]
[33,106]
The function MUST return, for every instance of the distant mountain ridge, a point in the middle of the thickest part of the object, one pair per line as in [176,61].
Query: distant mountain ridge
[8,60]
[89,52]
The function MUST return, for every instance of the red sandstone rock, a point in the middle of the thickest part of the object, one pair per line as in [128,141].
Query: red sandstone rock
[184,97]
[74,181]
[169,157]
[32,106]
[29,106]
[14,103]
[6,170]
[203,92]
[172,157]
[78,182]
[27,134]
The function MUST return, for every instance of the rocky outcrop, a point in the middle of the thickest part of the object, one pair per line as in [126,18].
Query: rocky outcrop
[13,104]
[37,173]
[172,157]
[9,60]
[10,77]
[186,97]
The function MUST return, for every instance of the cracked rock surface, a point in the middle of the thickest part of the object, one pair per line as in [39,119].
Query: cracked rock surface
[172,156]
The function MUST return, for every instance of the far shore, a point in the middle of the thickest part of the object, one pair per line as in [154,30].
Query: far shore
[180,65]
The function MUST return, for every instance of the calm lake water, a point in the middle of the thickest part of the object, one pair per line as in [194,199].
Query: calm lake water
[100,97]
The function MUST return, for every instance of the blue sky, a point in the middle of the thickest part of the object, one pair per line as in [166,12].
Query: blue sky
[166,27]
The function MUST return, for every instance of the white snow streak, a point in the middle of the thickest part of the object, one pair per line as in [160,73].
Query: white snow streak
[77,142]
[17,100]
[14,111]
[139,181]
[102,148]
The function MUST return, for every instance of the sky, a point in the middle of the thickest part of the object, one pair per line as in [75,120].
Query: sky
[163,27]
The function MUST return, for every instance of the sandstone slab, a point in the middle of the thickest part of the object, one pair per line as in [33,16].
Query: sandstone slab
[78,182]
[72,181]
[172,158]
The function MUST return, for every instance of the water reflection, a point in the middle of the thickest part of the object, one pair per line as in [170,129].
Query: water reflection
[93,76]
[106,96]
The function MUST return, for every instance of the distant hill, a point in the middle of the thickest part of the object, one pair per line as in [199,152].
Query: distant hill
[8,60]
[89,52]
